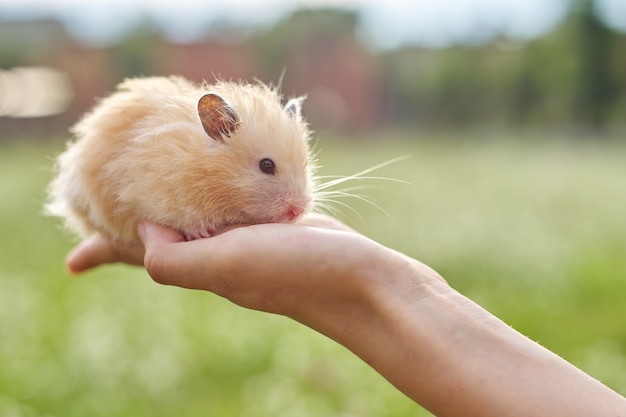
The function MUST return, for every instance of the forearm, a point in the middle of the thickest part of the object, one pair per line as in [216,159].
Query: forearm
[456,359]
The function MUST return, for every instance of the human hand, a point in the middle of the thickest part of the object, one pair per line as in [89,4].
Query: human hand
[278,268]
[319,263]
[98,250]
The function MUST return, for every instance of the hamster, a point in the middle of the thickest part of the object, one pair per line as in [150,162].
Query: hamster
[195,158]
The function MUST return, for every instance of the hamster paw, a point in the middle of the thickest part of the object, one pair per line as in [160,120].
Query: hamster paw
[197,234]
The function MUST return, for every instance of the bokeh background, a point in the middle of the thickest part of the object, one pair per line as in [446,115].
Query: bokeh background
[513,115]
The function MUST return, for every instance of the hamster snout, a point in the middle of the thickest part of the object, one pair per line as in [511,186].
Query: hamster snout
[192,158]
[293,212]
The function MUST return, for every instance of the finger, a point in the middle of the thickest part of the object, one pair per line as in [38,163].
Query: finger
[162,256]
[152,234]
[324,221]
[91,253]
[199,264]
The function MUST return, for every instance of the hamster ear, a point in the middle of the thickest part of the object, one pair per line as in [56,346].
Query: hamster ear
[293,108]
[217,118]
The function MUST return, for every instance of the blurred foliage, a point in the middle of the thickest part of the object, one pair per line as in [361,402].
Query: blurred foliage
[532,229]
[137,55]
[598,87]
[25,42]
[304,30]
[574,76]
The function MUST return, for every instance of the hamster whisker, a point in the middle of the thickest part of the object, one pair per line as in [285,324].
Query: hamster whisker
[336,179]
[340,180]
[323,204]
[326,196]
[361,174]
[332,197]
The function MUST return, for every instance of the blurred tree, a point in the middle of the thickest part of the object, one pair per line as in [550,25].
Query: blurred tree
[405,75]
[573,76]
[458,83]
[525,96]
[596,89]
[34,42]
[550,69]
[303,30]
[137,52]
[10,56]
[323,58]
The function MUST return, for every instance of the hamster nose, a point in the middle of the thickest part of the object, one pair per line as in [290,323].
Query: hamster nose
[294,211]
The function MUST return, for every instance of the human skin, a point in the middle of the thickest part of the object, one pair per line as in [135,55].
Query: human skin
[400,316]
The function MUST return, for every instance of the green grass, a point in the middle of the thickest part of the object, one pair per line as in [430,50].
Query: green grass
[534,230]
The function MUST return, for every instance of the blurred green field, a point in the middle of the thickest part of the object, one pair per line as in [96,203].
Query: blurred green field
[532,229]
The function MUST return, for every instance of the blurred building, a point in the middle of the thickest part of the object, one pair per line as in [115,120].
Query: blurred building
[337,75]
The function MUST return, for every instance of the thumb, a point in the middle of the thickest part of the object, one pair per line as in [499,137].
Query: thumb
[152,234]
[160,252]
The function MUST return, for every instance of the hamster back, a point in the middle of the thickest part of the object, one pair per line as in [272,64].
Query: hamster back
[193,158]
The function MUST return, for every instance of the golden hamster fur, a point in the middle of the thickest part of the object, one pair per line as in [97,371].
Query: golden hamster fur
[191,157]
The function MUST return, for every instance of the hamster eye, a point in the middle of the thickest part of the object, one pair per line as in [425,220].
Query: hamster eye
[267,165]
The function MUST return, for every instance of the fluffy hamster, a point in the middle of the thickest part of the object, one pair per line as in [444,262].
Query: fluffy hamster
[194,158]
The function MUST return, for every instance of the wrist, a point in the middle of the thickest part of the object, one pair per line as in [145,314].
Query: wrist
[386,317]
[376,291]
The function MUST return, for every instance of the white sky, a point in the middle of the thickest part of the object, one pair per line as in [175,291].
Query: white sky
[387,23]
